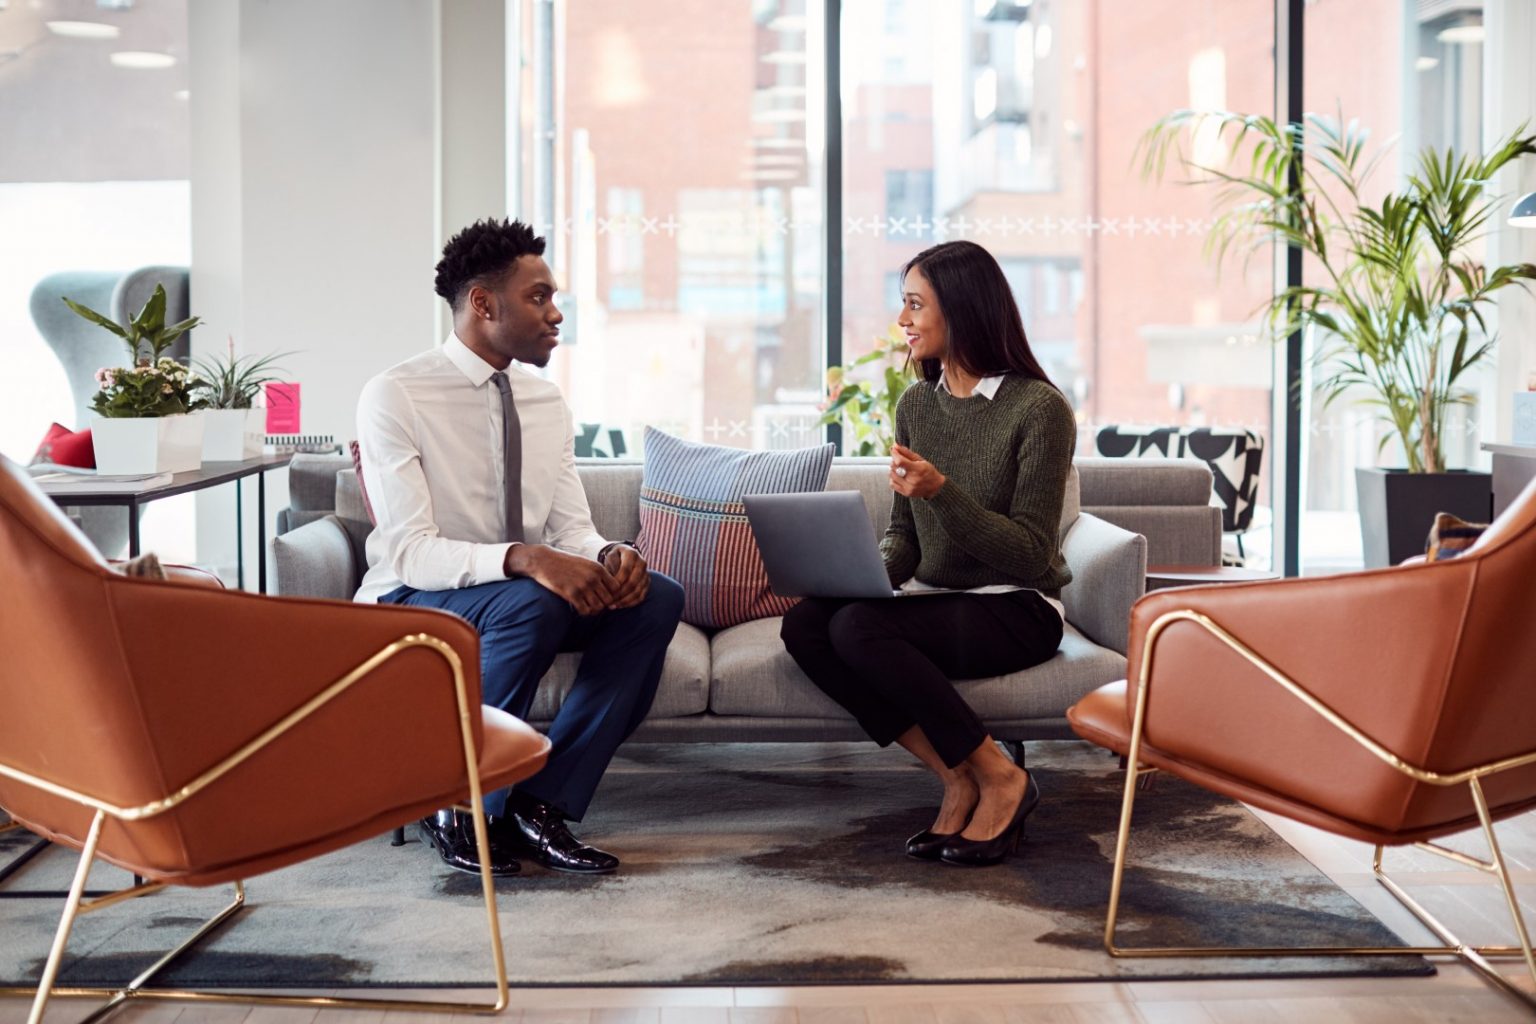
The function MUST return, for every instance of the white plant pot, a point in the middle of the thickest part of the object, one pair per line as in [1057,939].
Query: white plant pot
[232,435]
[150,444]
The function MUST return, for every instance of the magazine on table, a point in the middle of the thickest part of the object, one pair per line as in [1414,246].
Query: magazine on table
[56,479]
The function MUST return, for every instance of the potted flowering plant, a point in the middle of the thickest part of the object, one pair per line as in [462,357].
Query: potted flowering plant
[145,413]
[231,384]
[863,394]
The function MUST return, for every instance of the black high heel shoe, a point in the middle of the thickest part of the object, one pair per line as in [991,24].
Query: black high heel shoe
[927,844]
[982,852]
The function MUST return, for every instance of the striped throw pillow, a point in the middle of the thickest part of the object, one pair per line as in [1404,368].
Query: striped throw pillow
[693,525]
[1450,536]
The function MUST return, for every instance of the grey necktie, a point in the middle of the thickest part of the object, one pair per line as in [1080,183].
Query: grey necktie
[511,457]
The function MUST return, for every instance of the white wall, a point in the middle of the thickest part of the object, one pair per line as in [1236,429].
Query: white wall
[473,112]
[314,199]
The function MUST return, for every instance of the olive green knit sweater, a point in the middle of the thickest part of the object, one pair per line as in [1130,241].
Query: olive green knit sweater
[997,518]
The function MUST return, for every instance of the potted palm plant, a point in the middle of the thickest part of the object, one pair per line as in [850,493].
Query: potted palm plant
[230,386]
[145,418]
[1397,308]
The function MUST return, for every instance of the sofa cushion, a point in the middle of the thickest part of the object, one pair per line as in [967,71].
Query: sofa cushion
[752,674]
[613,495]
[684,688]
[693,525]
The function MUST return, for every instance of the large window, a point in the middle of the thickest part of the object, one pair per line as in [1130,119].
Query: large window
[1015,125]
[1412,75]
[674,162]
[93,177]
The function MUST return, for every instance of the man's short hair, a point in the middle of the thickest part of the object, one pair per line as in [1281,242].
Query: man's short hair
[483,254]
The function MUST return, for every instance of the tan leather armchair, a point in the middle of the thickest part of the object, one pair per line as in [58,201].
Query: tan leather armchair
[1391,706]
[197,736]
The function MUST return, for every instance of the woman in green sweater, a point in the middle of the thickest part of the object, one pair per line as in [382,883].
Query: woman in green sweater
[984,447]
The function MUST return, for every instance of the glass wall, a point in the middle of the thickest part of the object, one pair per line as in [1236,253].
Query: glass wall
[1412,74]
[93,177]
[1014,125]
[673,158]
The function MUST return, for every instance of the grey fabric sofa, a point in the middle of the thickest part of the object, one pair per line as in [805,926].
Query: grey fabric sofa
[739,684]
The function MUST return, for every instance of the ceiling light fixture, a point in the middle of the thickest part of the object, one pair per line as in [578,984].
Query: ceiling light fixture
[787,23]
[1426,63]
[784,57]
[84,29]
[143,60]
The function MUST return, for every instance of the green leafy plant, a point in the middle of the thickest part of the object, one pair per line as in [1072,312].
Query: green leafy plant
[152,384]
[165,389]
[1399,307]
[234,382]
[862,395]
[147,328]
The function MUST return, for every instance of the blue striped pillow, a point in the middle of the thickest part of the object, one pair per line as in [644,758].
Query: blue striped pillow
[693,525]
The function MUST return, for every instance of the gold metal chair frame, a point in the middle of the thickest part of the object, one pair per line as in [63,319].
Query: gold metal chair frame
[118,997]
[1476,957]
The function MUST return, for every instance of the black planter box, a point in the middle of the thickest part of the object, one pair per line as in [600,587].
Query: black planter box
[1397,508]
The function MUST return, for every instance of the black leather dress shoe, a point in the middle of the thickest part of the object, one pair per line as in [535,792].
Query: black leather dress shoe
[452,834]
[927,844]
[542,835]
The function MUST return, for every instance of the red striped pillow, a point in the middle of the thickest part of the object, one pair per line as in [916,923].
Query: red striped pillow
[693,525]
[362,487]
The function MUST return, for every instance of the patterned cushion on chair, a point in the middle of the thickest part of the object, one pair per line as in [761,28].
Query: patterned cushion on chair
[1235,456]
[693,524]
[1450,536]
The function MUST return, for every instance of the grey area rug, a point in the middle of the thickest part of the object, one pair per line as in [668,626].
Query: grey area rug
[752,864]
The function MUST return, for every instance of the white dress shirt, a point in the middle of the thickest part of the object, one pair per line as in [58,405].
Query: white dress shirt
[986,387]
[429,432]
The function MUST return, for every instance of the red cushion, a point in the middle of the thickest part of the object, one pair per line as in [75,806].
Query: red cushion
[357,467]
[64,447]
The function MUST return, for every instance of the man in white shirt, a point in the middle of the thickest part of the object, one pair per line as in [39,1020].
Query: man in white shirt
[469,464]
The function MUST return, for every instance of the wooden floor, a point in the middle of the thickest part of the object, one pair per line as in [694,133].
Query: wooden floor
[1463,898]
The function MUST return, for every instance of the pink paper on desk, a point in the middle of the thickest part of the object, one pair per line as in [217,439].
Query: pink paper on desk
[282,408]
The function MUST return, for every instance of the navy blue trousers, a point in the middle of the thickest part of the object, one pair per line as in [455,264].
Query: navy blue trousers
[522,626]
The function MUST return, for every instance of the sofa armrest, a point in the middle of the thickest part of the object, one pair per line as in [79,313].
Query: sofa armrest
[319,559]
[1109,572]
[193,576]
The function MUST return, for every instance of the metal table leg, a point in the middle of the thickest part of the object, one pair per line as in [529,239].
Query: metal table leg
[239,539]
[261,532]
[133,531]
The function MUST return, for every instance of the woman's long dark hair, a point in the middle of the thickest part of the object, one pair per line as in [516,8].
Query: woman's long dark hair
[986,333]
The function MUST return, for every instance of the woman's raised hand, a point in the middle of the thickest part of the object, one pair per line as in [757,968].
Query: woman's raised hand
[912,476]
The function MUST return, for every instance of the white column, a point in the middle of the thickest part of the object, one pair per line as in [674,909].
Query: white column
[314,199]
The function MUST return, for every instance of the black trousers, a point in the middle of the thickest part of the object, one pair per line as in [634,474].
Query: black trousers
[891,663]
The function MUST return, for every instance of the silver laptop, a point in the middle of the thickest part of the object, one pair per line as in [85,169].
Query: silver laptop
[821,544]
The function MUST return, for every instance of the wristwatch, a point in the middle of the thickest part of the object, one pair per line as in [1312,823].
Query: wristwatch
[602,553]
